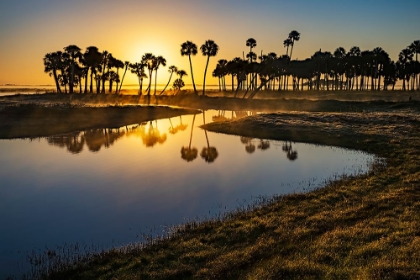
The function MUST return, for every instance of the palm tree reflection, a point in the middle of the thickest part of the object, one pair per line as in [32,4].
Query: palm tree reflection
[188,153]
[209,154]
[94,139]
[152,136]
[290,153]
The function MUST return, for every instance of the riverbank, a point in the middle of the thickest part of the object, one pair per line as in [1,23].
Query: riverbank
[364,227]
[40,120]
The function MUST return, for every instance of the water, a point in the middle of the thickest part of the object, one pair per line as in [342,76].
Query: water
[107,187]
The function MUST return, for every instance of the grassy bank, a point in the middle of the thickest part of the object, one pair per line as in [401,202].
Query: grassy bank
[365,227]
[33,120]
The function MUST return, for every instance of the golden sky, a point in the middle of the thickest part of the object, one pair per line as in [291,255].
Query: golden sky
[128,29]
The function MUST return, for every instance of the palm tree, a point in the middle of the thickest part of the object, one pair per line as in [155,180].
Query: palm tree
[127,65]
[221,72]
[188,153]
[209,48]
[92,58]
[104,64]
[138,70]
[251,43]
[172,70]
[294,36]
[118,64]
[74,53]
[189,48]
[287,43]
[52,63]
[181,73]
[404,59]
[355,62]
[160,60]
[150,61]
[415,49]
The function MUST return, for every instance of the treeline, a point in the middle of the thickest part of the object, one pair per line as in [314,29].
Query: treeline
[71,67]
[340,70]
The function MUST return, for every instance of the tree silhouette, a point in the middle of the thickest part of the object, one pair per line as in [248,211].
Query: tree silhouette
[172,70]
[126,66]
[150,61]
[138,70]
[188,153]
[92,58]
[294,36]
[287,43]
[119,65]
[209,48]
[415,48]
[189,48]
[160,60]
[53,63]
[74,53]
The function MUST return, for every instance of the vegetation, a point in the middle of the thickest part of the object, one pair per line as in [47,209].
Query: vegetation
[341,70]
[31,120]
[364,227]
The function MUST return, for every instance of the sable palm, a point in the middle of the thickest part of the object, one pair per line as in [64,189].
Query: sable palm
[127,65]
[119,65]
[92,58]
[294,36]
[104,64]
[189,48]
[415,48]
[251,43]
[209,48]
[404,59]
[172,70]
[287,43]
[150,61]
[181,73]
[74,53]
[138,70]
[52,63]
[160,60]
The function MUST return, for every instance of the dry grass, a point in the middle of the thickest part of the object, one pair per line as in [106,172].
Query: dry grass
[364,227]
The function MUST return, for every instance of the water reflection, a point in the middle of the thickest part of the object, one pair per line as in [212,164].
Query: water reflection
[263,145]
[288,149]
[209,154]
[188,153]
[50,197]
[223,115]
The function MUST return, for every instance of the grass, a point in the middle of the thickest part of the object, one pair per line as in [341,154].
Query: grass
[362,227]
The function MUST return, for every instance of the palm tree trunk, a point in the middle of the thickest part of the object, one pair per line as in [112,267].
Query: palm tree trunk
[170,77]
[154,93]
[91,80]
[192,74]
[57,84]
[150,82]
[117,81]
[122,79]
[205,73]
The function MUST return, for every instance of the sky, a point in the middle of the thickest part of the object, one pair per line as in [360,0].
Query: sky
[130,28]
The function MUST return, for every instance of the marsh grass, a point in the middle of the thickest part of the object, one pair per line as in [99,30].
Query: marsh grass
[356,227]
